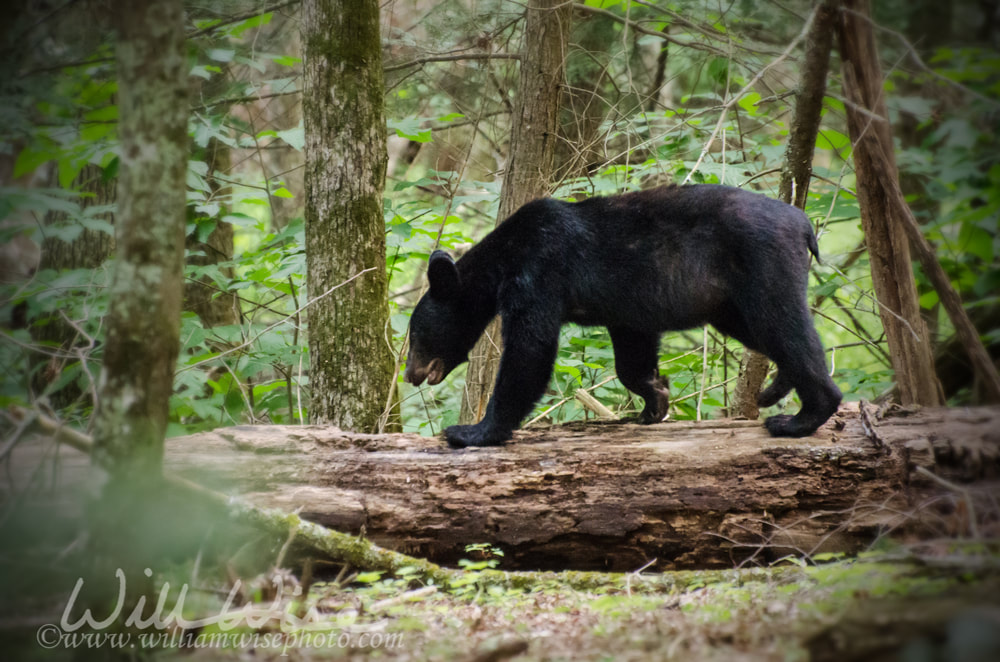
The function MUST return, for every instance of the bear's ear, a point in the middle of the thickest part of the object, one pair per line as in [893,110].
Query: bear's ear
[442,273]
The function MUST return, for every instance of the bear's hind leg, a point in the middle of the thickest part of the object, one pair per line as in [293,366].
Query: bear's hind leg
[778,389]
[636,362]
[801,362]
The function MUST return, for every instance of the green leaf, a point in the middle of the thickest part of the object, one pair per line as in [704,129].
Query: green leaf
[252,22]
[718,69]
[282,192]
[105,114]
[240,220]
[748,103]
[69,169]
[410,128]
[98,225]
[917,106]
[210,209]
[832,139]
[30,159]
[929,299]
[221,54]
[976,241]
[295,137]
[94,132]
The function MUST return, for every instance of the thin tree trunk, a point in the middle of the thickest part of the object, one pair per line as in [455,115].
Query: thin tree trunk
[888,248]
[143,323]
[202,297]
[88,251]
[529,165]
[795,176]
[351,364]
[982,365]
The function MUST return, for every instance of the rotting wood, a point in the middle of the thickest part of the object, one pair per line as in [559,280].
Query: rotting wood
[599,496]
[314,541]
[612,496]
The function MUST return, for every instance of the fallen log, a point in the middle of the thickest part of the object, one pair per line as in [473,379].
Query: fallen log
[614,496]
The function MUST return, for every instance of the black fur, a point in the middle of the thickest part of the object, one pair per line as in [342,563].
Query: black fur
[665,259]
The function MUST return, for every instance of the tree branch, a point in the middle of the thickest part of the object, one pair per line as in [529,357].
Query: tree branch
[452,58]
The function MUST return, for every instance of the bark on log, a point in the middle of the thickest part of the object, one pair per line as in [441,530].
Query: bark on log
[613,496]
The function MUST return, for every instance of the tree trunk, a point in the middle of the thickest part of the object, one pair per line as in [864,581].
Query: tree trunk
[795,176]
[614,496]
[582,150]
[892,273]
[202,296]
[351,363]
[982,364]
[529,165]
[143,323]
[88,251]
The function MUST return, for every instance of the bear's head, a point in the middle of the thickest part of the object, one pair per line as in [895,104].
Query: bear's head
[441,331]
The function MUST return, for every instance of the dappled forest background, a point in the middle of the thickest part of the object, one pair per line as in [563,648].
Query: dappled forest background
[646,84]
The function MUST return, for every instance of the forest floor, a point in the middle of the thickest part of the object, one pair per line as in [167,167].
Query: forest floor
[885,605]
[941,605]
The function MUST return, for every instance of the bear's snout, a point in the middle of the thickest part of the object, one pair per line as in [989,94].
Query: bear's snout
[433,371]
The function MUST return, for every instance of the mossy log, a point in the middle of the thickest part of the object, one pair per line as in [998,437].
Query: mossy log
[613,496]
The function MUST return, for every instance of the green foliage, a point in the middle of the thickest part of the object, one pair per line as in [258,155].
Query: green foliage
[449,121]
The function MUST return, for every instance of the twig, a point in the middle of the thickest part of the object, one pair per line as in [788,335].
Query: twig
[452,58]
[958,489]
[753,81]
[291,315]
[292,530]
[232,101]
[565,400]
[415,594]
[636,573]
[21,426]
[871,430]
[259,11]
[919,62]
[652,33]
[585,398]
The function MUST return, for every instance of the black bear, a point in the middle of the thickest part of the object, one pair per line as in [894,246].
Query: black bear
[665,259]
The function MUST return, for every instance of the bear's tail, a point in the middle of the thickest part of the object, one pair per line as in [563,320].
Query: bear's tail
[812,244]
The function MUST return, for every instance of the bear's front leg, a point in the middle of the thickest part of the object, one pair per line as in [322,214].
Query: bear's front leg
[462,436]
[530,346]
